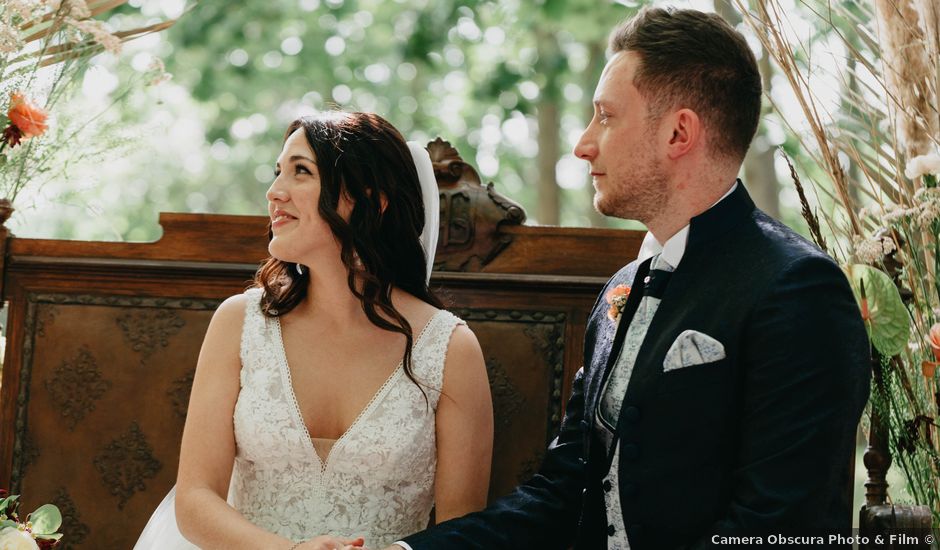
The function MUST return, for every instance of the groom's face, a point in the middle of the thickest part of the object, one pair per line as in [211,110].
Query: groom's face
[622,146]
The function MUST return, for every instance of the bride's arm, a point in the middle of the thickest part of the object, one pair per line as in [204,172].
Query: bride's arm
[208,450]
[464,430]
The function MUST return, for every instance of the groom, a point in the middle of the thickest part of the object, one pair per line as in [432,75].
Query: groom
[722,398]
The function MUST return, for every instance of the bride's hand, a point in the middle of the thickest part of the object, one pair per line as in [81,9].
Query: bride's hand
[327,542]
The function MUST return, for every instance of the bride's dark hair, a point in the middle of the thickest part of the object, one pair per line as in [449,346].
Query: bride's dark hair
[364,157]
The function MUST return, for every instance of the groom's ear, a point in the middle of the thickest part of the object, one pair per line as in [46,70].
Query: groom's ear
[686,133]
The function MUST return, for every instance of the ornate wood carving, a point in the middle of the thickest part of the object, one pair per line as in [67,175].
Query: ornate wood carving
[30,452]
[179,393]
[548,339]
[546,331]
[472,214]
[45,317]
[22,399]
[76,385]
[24,450]
[149,329]
[126,463]
[506,397]
[74,531]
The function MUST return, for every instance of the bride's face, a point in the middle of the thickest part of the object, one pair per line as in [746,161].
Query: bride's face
[300,235]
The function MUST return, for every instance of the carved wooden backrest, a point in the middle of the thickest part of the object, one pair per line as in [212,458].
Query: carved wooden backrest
[102,340]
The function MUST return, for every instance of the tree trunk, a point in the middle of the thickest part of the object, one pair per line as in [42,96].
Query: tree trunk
[549,153]
[760,175]
[549,122]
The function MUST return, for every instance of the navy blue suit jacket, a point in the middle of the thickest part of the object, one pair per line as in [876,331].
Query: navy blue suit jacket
[759,441]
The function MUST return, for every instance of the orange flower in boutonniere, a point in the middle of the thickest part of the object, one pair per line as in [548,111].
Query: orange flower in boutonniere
[617,299]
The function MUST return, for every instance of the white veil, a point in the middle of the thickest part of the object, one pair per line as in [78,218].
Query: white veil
[432,202]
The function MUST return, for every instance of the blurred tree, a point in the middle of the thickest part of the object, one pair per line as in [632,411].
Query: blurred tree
[759,173]
[509,83]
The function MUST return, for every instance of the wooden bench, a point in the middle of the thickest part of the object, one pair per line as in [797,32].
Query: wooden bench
[102,340]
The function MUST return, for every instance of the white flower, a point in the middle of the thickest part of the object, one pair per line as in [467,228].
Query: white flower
[888,245]
[868,251]
[23,8]
[14,539]
[922,165]
[9,39]
[158,70]
[894,213]
[78,8]
[99,33]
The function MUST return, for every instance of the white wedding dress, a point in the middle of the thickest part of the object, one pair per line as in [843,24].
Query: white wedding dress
[377,480]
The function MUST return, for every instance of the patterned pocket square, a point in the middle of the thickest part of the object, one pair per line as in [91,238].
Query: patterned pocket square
[692,348]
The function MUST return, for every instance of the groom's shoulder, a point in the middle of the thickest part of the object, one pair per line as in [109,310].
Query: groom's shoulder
[778,257]
[779,242]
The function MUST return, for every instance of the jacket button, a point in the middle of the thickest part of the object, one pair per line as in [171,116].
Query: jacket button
[630,451]
[628,489]
[611,530]
[632,414]
[607,486]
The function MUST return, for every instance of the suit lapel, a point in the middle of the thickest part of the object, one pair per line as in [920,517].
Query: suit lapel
[606,356]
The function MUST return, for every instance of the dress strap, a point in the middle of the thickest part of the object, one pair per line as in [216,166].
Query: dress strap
[430,352]
[253,330]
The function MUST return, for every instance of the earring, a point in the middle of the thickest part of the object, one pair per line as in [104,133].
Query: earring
[300,269]
[357,261]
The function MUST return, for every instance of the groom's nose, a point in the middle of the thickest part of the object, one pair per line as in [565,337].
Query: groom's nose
[586,148]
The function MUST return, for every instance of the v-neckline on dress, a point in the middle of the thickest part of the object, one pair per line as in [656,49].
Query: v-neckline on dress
[376,397]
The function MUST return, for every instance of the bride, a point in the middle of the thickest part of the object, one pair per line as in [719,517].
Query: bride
[335,402]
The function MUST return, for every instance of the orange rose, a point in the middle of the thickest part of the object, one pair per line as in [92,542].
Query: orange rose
[29,118]
[617,298]
[619,290]
[933,338]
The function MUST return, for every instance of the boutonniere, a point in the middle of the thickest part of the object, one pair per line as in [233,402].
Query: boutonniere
[617,299]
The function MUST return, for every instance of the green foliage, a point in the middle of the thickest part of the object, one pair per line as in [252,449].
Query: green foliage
[467,71]
[46,521]
[888,322]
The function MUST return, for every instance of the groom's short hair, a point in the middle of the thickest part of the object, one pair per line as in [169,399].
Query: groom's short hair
[690,59]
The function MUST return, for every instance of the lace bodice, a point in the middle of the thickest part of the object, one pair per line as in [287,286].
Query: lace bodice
[378,479]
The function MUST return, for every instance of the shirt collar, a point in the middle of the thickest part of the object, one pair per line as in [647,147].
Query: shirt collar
[674,248]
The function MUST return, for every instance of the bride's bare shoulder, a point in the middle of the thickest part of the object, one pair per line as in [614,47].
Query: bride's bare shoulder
[231,312]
